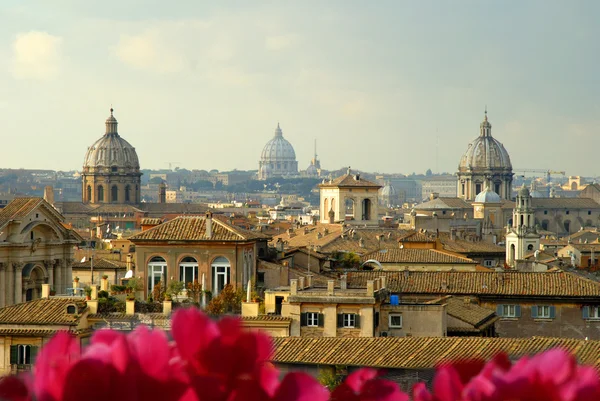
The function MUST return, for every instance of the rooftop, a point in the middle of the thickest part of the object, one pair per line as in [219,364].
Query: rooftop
[408,255]
[43,311]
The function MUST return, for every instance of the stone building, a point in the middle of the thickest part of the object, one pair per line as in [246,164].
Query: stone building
[35,248]
[278,158]
[190,248]
[485,159]
[111,170]
[349,198]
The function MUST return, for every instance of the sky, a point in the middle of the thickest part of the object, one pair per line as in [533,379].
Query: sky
[384,86]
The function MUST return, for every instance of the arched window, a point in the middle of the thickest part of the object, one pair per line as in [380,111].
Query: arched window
[366,209]
[100,193]
[157,272]
[188,270]
[220,274]
[530,247]
[114,194]
[512,253]
[497,188]
[545,225]
[567,225]
[325,206]
[89,193]
[349,203]
[477,188]
[333,204]
[127,193]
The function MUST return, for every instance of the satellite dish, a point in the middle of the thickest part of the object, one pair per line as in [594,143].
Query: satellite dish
[129,274]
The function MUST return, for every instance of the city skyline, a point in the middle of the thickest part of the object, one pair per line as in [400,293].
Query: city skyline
[377,86]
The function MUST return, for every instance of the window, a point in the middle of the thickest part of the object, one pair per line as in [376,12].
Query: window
[22,354]
[312,319]
[509,311]
[100,193]
[591,312]
[89,193]
[589,212]
[348,320]
[567,212]
[113,169]
[395,321]
[127,193]
[157,272]
[530,247]
[545,212]
[188,270]
[220,274]
[488,263]
[543,312]
[71,309]
[114,193]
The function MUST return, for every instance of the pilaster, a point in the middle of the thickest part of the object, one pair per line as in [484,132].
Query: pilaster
[3,289]
[18,271]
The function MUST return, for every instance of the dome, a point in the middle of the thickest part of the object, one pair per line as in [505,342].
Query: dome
[485,152]
[538,194]
[524,192]
[388,190]
[111,151]
[278,149]
[312,170]
[487,196]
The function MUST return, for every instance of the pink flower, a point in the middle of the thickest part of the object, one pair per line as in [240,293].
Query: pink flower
[364,385]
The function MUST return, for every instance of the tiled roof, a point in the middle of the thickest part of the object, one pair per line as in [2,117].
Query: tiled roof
[564,203]
[464,246]
[349,180]
[21,207]
[116,208]
[270,318]
[416,237]
[151,221]
[408,255]
[159,209]
[74,207]
[318,279]
[444,203]
[125,316]
[419,352]
[42,311]
[27,332]
[468,312]
[546,284]
[193,228]
[101,263]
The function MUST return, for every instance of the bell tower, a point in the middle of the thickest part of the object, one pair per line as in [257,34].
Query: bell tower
[522,237]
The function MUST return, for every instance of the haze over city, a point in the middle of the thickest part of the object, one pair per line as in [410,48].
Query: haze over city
[375,83]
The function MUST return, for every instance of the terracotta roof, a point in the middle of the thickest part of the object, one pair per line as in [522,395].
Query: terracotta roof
[416,237]
[468,312]
[270,318]
[349,180]
[193,228]
[314,254]
[43,311]
[564,203]
[546,284]
[419,352]
[125,316]
[151,221]
[74,207]
[21,207]
[160,209]
[27,332]
[101,263]
[444,203]
[463,246]
[409,255]
[116,208]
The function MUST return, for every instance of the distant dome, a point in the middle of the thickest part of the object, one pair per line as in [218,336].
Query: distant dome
[279,155]
[388,190]
[111,151]
[278,149]
[524,191]
[312,170]
[538,194]
[487,196]
[485,152]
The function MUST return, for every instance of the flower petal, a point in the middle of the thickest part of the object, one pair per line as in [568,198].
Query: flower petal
[298,386]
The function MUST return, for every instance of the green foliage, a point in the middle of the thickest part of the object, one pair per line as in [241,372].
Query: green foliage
[134,284]
[228,301]
[194,291]
[175,288]
[348,260]
[118,288]
[156,180]
[102,294]
[87,290]
[329,378]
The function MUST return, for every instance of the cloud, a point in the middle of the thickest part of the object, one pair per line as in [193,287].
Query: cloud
[280,42]
[148,51]
[37,55]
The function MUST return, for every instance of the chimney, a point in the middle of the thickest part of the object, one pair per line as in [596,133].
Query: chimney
[293,287]
[361,242]
[279,245]
[309,280]
[129,263]
[162,193]
[330,287]
[130,307]
[433,195]
[167,307]
[370,288]
[301,282]
[94,295]
[208,232]
[344,282]
[382,279]
[45,290]
[49,194]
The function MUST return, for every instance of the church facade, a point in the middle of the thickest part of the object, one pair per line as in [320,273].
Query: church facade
[35,249]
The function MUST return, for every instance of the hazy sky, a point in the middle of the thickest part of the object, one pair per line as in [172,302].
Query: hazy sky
[376,82]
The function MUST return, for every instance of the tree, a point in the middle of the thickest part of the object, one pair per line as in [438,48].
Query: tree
[175,288]
[156,180]
[428,173]
[229,300]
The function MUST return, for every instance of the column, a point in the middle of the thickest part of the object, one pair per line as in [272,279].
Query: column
[58,282]
[69,269]
[10,284]
[18,282]
[3,289]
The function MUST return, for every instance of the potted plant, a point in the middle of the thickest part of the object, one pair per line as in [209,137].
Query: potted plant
[130,296]
[105,276]
[52,292]
[76,279]
[168,297]
[88,293]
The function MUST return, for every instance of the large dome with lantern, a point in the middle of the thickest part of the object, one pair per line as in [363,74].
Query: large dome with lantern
[278,157]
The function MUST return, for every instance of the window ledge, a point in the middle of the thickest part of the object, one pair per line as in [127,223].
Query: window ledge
[543,319]
[509,318]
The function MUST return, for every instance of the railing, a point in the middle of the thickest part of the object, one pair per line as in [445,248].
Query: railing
[18,368]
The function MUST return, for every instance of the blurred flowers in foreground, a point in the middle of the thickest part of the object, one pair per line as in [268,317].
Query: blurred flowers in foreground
[217,361]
